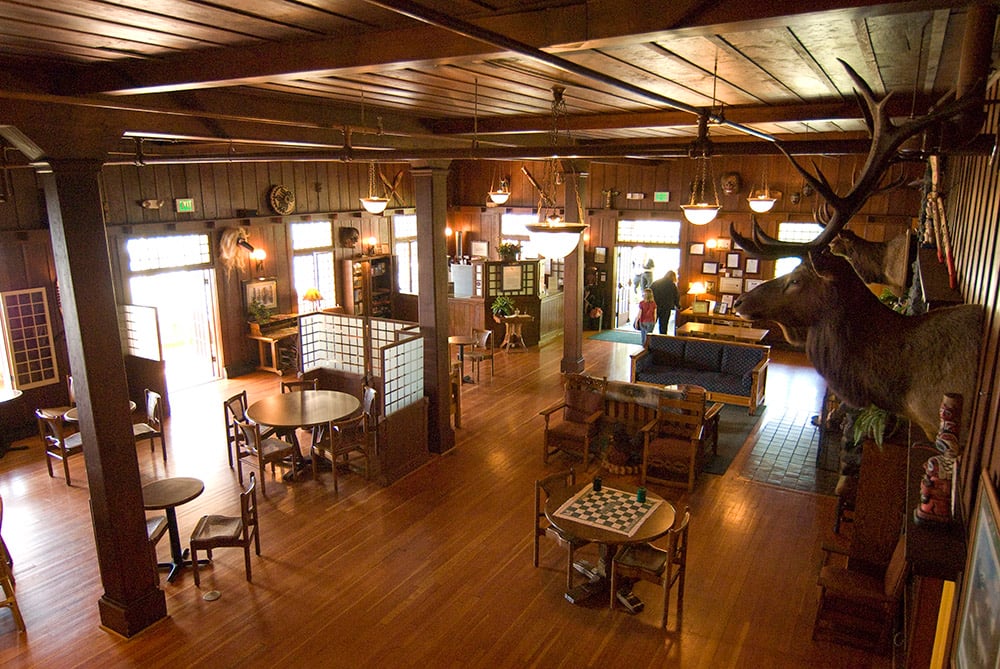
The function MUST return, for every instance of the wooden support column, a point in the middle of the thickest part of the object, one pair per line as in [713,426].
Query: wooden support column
[430,191]
[572,360]
[132,600]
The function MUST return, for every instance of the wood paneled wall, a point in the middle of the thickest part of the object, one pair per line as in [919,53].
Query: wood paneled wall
[973,207]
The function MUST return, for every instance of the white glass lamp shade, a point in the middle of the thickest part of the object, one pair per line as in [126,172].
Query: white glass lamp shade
[555,240]
[762,202]
[499,196]
[374,205]
[700,214]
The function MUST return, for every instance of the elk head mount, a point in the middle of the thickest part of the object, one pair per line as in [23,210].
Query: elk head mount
[866,352]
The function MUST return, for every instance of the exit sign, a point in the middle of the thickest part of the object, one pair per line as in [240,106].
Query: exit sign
[661,196]
[185,205]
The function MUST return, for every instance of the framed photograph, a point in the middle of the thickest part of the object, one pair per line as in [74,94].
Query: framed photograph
[710,268]
[976,643]
[264,291]
[709,287]
[728,301]
[750,284]
[723,244]
[752,266]
[729,284]
[733,260]
[696,249]
[600,254]
[699,307]
[721,308]
[738,273]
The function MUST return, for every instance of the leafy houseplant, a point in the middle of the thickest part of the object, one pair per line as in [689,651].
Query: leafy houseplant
[257,315]
[502,306]
[876,424]
[508,250]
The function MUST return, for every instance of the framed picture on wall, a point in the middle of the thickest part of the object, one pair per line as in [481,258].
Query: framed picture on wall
[729,284]
[600,254]
[750,284]
[752,266]
[723,244]
[979,620]
[264,291]
[728,301]
[480,249]
[696,249]
[709,267]
[732,260]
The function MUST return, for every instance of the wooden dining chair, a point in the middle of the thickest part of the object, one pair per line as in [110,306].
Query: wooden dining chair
[58,444]
[152,429]
[156,527]
[4,553]
[213,532]
[545,488]
[7,581]
[235,409]
[263,451]
[339,439]
[663,567]
[292,386]
[482,350]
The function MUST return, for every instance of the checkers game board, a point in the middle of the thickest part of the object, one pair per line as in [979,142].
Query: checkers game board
[608,509]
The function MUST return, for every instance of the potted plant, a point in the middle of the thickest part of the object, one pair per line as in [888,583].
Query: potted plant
[508,251]
[502,306]
[257,314]
[876,424]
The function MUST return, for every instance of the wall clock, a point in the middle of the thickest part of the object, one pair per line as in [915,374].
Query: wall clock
[281,199]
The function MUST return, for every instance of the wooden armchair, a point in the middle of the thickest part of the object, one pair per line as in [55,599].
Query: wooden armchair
[152,428]
[582,408]
[676,443]
[482,350]
[59,445]
[858,609]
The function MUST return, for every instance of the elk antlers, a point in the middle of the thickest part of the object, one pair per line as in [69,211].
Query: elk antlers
[886,136]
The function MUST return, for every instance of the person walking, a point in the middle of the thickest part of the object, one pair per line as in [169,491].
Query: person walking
[667,298]
[647,314]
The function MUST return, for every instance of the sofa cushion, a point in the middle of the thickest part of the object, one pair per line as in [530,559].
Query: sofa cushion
[739,360]
[581,404]
[666,350]
[704,355]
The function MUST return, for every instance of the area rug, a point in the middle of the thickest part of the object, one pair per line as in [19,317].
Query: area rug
[787,453]
[735,424]
[618,336]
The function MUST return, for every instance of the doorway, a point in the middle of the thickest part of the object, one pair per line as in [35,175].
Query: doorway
[636,267]
[185,304]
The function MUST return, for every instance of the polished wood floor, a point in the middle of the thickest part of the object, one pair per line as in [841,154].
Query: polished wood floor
[434,571]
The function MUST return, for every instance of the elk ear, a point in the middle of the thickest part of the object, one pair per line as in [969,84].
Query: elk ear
[828,265]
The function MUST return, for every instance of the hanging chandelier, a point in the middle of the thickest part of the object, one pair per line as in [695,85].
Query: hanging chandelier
[552,236]
[373,204]
[699,210]
[761,200]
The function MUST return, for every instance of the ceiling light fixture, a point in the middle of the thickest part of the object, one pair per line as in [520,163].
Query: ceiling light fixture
[373,204]
[762,201]
[699,211]
[552,236]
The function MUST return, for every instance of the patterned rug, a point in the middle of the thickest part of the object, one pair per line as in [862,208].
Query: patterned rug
[787,454]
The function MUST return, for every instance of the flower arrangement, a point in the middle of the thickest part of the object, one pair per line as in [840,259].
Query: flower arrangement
[508,250]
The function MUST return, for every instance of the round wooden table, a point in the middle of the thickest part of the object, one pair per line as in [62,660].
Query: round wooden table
[73,415]
[305,409]
[652,527]
[167,494]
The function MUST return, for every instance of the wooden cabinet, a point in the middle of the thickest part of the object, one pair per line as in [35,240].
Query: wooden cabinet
[366,285]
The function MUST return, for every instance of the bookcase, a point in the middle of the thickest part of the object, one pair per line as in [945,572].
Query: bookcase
[366,285]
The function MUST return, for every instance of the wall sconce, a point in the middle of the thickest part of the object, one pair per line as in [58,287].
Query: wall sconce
[370,243]
[260,255]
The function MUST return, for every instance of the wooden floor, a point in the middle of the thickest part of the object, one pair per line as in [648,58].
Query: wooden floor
[434,571]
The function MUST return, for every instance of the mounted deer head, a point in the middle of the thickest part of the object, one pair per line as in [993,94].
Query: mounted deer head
[866,352]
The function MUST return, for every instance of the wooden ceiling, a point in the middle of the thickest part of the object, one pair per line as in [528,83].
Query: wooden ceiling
[339,79]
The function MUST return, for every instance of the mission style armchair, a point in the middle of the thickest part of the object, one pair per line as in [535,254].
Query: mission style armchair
[676,444]
[572,429]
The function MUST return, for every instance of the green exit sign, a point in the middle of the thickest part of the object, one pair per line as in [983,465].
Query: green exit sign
[185,205]
[661,196]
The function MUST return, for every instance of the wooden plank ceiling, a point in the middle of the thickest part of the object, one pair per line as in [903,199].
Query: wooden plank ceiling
[452,78]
